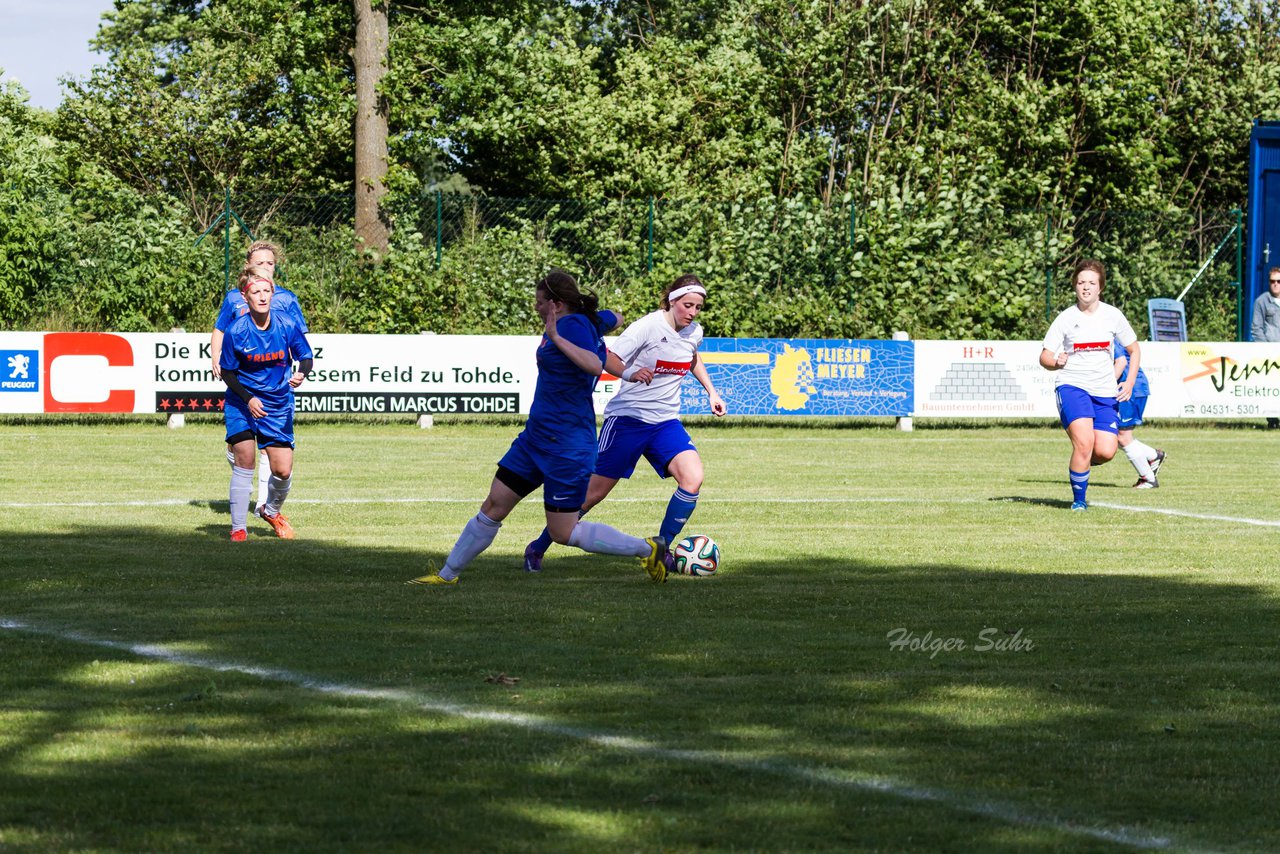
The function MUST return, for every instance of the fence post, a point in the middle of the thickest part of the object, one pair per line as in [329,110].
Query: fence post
[226,240]
[1048,268]
[439,227]
[1238,283]
[649,260]
[903,422]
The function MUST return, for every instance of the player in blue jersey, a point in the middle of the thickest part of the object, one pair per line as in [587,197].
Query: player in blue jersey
[256,363]
[1146,460]
[652,358]
[557,449]
[265,256]
[1079,346]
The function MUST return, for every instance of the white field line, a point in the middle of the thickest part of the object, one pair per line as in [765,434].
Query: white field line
[760,499]
[839,778]
[763,499]
[1164,511]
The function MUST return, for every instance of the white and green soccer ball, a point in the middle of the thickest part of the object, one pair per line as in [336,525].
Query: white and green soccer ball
[697,555]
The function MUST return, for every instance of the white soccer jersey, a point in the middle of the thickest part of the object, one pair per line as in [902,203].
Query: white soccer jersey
[1087,338]
[650,342]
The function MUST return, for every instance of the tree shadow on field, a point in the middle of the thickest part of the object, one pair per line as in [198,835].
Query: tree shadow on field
[1082,699]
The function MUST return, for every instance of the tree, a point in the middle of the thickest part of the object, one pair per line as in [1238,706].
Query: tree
[372,42]
[196,97]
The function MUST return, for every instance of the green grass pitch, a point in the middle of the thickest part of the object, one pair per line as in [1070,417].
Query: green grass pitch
[162,689]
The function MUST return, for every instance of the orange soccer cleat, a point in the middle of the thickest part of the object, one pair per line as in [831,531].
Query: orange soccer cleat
[281,524]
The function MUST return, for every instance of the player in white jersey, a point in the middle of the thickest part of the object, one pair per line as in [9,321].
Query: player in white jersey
[1079,346]
[652,357]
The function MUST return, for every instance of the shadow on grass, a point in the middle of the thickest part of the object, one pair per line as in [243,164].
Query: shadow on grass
[1123,699]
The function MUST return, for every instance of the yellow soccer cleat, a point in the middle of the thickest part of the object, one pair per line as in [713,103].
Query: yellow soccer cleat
[658,562]
[431,578]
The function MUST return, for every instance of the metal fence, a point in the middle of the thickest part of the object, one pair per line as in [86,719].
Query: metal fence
[463,263]
[878,266]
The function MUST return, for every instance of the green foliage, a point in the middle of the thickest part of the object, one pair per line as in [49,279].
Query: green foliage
[980,147]
[78,249]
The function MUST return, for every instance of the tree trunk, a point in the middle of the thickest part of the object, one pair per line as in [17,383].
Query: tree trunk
[372,44]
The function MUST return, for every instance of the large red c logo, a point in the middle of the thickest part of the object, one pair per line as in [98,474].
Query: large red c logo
[115,349]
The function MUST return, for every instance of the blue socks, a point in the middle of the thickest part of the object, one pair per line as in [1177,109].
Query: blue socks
[679,509]
[1079,484]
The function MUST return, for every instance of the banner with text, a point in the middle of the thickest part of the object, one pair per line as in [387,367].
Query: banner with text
[433,374]
[770,376]
[468,374]
[1003,379]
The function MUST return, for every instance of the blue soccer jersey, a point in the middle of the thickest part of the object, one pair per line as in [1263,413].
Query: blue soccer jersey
[282,299]
[1141,388]
[263,358]
[562,413]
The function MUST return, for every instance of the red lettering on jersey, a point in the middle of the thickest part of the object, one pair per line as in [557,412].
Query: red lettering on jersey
[1084,346]
[277,356]
[677,369]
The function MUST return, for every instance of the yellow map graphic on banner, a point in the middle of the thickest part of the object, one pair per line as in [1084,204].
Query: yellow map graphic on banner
[792,378]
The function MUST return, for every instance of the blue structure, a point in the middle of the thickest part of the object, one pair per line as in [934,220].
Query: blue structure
[1167,320]
[1263,250]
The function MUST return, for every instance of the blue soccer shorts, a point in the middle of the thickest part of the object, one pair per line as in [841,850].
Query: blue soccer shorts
[275,429]
[623,440]
[1131,412]
[1075,403]
[563,472]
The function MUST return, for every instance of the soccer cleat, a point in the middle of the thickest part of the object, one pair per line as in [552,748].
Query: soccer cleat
[239,535]
[659,562]
[532,559]
[1143,483]
[281,525]
[431,578]
[1079,505]
[1155,464]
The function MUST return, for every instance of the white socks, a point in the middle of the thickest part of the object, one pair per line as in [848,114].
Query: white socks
[1140,455]
[241,486]
[476,536]
[602,539]
[276,491]
[264,481]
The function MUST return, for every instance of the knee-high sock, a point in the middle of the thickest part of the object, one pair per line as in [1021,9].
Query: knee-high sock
[241,486]
[599,538]
[1146,449]
[277,491]
[1137,454]
[679,509]
[264,480]
[1079,484]
[544,541]
[476,536]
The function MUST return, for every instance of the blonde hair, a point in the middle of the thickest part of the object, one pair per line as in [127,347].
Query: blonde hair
[251,272]
[260,245]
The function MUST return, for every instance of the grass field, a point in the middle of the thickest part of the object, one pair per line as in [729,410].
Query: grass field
[162,689]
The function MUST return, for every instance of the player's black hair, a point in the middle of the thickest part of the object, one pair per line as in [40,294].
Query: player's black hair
[562,287]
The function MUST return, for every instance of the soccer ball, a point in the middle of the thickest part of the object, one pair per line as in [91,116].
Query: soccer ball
[697,555]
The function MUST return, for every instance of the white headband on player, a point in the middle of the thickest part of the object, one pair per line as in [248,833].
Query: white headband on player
[687,289]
